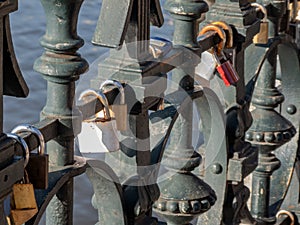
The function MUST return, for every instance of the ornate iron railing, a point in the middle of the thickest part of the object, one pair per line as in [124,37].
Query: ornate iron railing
[154,177]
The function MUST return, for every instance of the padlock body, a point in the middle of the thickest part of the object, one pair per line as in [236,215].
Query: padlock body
[120,114]
[37,168]
[228,73]
[263,35]
[23,197]
[23,202]
[21,216]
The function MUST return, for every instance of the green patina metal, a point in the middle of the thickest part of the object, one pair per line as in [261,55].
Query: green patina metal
[264,133]
[127,194]
[184,196]
[13,84]
[61,66]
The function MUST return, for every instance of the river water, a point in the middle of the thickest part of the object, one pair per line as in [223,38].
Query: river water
[28,25]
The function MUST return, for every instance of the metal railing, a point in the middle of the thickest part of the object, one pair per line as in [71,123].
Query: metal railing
[156,168]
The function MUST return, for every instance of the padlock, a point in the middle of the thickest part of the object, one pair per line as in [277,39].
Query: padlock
[24,205]
[287,213]
[23,202]
[38,164]
[263,35]
[223,65]
[226,70]
[98,134]
[119,110]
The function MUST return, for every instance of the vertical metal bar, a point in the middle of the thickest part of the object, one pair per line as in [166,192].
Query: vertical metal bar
[238,119]
[183,194]
[264,133]
[260,190]
[1,73]
[143,155]
[61,66]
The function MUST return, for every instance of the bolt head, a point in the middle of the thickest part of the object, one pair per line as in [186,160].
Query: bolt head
[216,168]
[291,109]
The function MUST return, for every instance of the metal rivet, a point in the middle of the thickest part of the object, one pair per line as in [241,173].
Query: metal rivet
[269,137]
[287,135]
[291,109]
[161,206]
[184,207]
[172,207]
[249,136]
[259,137]
[205,205]
[196,206]
[216,168]
[279,136]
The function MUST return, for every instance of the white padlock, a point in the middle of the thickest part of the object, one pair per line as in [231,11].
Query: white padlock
[99,133]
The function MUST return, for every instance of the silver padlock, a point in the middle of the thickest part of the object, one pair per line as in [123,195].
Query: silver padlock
[24,145]
[99,133]
[119,110]
[38,165]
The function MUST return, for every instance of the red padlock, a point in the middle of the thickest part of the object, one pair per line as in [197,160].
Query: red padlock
[226,70]
[223,65]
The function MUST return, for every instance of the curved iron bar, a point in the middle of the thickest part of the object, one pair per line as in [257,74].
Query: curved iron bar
[211,114]
[57,179]
[107,190]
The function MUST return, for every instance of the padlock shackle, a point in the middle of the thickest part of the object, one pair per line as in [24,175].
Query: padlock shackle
[261,8]
[221,34]
[24,145]
[32,129]
[229,35]
[117,84]
[287,213]
[101,97]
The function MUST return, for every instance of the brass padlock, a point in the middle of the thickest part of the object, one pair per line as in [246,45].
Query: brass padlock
[119,110]
[263,36]
[24,205]
[38,165]
[23,195]
[23,202]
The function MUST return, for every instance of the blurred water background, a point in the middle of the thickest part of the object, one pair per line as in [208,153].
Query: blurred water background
[28,25]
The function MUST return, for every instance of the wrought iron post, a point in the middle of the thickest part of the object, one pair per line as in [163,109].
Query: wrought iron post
[61,66]
[175,205]
[288,193]
[13,84]
[242,156]
[267,136]
[269,130]
[132,65]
